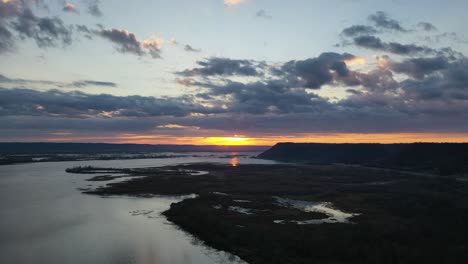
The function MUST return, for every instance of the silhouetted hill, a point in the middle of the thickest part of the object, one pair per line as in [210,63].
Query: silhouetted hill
[63,148]
[444,158]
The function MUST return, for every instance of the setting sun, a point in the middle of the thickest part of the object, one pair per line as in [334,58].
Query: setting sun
[228,141]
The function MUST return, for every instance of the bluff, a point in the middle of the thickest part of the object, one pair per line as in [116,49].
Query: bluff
[442,158]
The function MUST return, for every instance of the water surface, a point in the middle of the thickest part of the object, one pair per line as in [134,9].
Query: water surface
[45,218]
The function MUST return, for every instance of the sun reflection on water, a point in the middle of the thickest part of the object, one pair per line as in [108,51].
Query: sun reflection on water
[234,162]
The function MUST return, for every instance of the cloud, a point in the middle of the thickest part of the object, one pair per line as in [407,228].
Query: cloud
[424,90]
[189,48]
[263,14]
[273,96]
[127,42]
[429,94]
[282,89]
[17,21]
[358,30]
[9,9]
[445,36]
[381,20]
[224,66]
[47,32]
[233,2]
[71,8]
[7,42]
[314,72]
[427,26]
[74,104]
[176,126]
[419,68]
[435,86]
[152,47]
[85,83]
[94,8]
[435,78]
[375,43]
[364,36]
[75,84]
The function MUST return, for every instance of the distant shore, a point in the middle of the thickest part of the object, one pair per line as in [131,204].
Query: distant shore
[34,158]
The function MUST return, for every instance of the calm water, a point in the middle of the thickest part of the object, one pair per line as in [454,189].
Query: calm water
[45,219]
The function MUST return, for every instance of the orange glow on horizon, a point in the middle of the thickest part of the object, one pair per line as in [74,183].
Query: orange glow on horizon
[266,140]
[228,141]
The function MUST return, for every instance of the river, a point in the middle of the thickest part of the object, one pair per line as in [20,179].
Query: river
[46,219]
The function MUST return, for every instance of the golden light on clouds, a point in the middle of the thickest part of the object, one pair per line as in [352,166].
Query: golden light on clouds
[70,7]
[355,61]
[176,126]
[233,2]
[382,61]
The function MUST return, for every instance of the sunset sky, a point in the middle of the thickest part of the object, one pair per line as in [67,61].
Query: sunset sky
[233,72]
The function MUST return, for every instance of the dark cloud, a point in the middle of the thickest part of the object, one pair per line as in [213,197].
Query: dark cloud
[436,79]
[426,26]
[36,127]
[375,43]
[75,84]
[283,89]
[273,96]
[83,29]
[224,66]
[27,102]
[127,42]
[437,86]
[7,42]
[189,48]
[47,32]
[93,83]
[382,20]
[282,99]
[18,21]
[315,72]
[377,80]
[358,30]
[420,67]
[262,13]
[426,92]
[94,8]
[369,42]
[364,36]
[407,49]
[446,36]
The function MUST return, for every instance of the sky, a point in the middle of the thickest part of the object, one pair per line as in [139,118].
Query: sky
[233,72]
